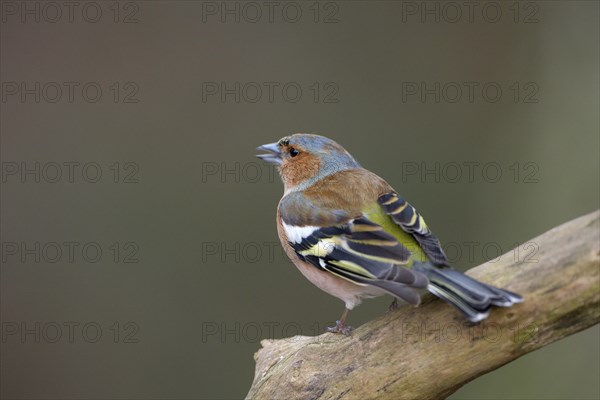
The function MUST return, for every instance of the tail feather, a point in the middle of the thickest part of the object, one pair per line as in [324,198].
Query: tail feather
[403,292]
[471,297]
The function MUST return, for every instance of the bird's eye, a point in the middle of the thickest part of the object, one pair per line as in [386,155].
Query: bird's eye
[294,152]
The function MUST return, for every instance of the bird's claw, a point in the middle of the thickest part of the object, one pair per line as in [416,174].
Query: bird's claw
[394,305]
[340,327]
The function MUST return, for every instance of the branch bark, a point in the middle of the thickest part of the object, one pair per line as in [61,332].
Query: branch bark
[429,352]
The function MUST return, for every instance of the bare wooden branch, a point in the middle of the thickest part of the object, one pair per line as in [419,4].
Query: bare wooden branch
[428,351]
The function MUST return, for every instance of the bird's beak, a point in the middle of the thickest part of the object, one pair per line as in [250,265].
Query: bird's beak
[273,155]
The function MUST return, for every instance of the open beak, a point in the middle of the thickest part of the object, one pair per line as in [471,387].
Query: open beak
[272,156]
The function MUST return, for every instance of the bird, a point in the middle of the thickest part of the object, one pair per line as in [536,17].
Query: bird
[354,237]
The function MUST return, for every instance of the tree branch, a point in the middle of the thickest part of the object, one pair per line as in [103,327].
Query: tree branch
[428,351]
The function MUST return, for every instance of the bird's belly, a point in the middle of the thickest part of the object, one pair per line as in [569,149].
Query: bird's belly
[350,293]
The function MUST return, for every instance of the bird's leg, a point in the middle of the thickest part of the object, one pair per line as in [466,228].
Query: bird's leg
[340,325]
[394,305]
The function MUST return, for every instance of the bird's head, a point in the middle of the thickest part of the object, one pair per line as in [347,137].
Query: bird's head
[303,159]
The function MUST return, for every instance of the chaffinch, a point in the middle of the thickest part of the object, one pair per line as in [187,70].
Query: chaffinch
[354,237]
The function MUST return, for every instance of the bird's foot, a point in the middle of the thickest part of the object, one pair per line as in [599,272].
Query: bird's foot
[394,305]
[340,327]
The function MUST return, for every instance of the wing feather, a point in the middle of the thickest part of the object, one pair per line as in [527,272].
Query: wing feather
[362,252]
[407,218]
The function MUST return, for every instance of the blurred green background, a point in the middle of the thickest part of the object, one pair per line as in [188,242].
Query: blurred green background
[190,276]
